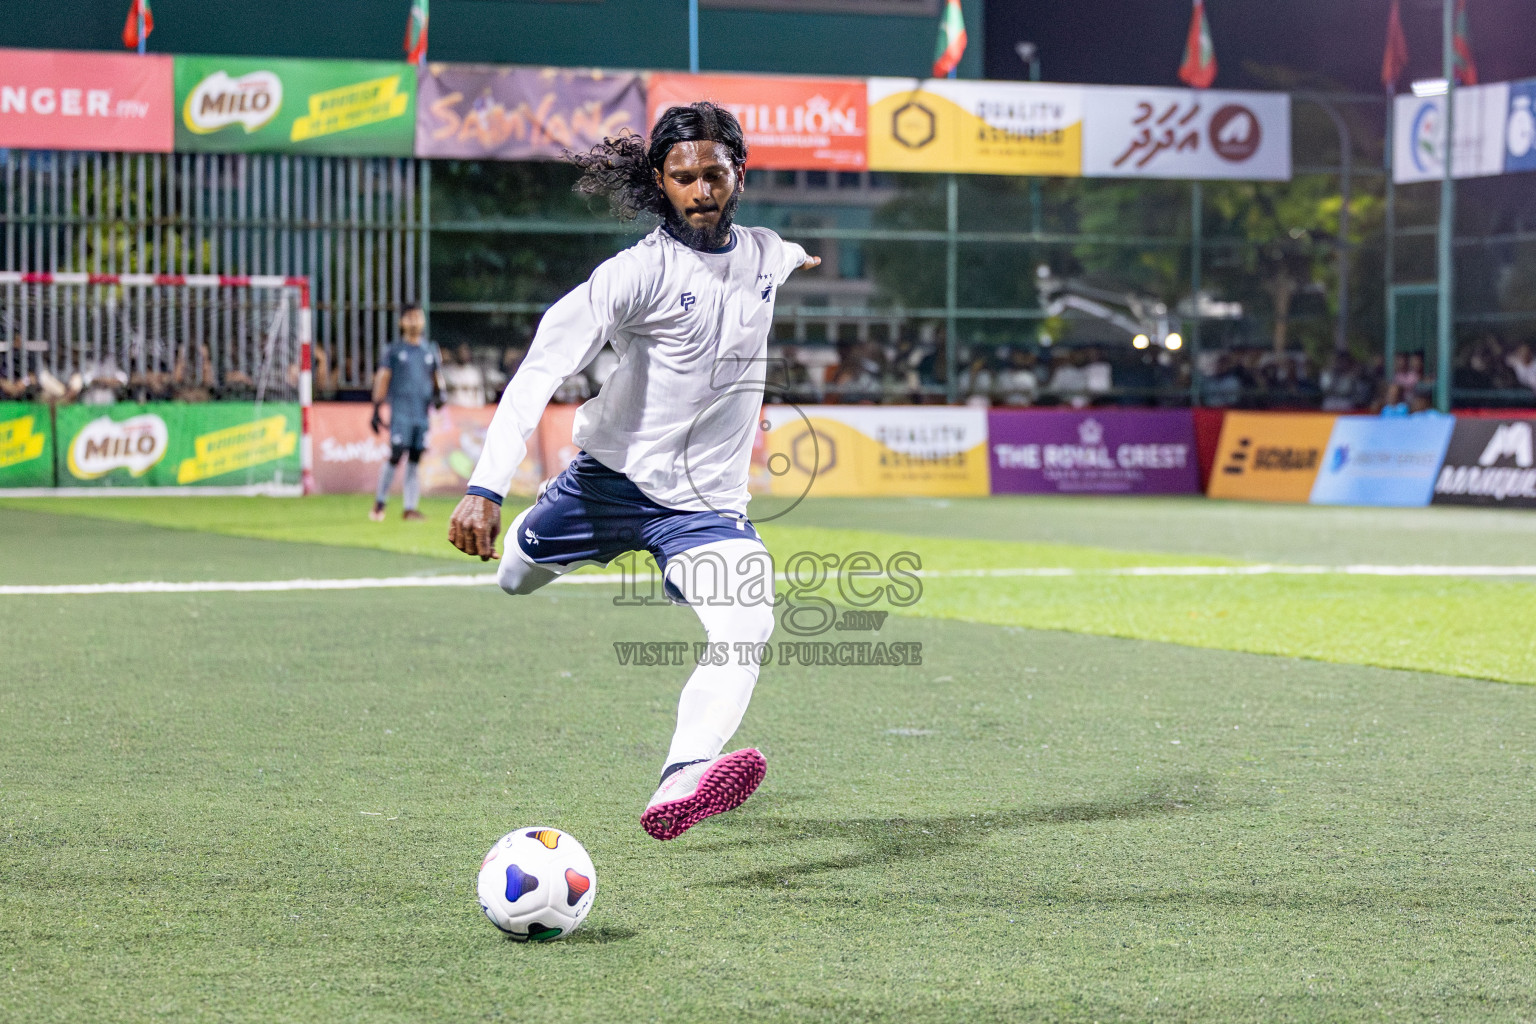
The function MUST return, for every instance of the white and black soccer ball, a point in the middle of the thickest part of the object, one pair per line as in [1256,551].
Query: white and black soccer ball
[537,884]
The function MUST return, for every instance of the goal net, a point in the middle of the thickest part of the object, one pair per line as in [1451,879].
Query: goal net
[197,383]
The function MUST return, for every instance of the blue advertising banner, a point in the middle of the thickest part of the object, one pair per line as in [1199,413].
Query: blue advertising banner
[1382,460]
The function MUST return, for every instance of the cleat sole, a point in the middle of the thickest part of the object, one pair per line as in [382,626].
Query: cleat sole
[725,786]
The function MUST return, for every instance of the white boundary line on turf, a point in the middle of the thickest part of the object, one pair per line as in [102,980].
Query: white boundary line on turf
[250,491]
[489,579]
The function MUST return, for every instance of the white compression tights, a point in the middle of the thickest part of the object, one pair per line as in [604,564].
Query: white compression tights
[729,584]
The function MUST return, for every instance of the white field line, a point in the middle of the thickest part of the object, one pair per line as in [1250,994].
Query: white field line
[489,579]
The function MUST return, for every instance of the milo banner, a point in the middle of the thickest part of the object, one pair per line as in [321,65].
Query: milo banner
[276,105]
[975,127]
[1489,462]
[169,444]
[26,445]
[865,450]
[483,112]
[1103,451]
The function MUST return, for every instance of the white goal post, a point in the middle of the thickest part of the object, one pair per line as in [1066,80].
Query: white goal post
[184,336]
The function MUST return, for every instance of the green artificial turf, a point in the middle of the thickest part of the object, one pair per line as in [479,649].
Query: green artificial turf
[271,807]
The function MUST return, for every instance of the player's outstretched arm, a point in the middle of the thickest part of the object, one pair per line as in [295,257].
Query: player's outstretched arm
[475,524]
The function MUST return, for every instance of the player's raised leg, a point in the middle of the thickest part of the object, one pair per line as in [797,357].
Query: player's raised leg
[730,585]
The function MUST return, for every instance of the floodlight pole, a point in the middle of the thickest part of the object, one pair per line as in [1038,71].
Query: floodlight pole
[1445,327]
[1389,350]
[693,37]
[141,28]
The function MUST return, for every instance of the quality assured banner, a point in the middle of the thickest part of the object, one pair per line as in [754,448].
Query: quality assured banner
[791,124]
[1489,462]
[341,107]
[1186,133]
[1418,145]
[51,99]
[169,444]
[1384,461]
[485,112]
[1270,456]
[971,127]
[26,445]
[838,450]
[1106,451]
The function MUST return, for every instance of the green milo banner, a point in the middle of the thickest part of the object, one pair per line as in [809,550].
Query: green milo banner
[169,444]
[251,104]
[26,445]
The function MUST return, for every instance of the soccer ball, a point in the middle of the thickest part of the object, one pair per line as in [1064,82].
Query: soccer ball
[537,884]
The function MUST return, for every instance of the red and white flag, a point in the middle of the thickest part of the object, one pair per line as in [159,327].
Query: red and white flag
[1395,60]
[1199,68]
[131,26]
[951,45]
[416,33]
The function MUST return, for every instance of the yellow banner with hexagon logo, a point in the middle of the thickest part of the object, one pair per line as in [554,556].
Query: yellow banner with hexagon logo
[975,127]
[836,450]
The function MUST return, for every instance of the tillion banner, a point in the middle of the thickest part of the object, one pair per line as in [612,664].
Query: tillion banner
[348,455]
[1105,451]
[169,444]
[790,123]
[481,111]
[974,127]
[51,99]
[854,450]
[1489,462]
[340,107]
[1270,456]
[1495,133]
[26,445]
[1186,134]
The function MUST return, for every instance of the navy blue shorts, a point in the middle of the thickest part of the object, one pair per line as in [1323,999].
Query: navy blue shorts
[589,513]
[410,434]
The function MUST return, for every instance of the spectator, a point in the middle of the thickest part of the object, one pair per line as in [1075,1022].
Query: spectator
[1069,381]
[1017,383]
[1098,375]
[463,379]
[1523,363]
[976,382]
[97,382]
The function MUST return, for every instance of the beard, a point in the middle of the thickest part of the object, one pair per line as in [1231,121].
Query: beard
[703,238]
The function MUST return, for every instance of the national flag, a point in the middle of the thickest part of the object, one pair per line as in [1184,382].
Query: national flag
[1395,60]
[946,56]
[131,26]
[1461,42]
[416,33]
[1199,68]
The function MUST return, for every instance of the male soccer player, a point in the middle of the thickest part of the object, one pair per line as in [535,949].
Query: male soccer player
[410,378]
[667,443]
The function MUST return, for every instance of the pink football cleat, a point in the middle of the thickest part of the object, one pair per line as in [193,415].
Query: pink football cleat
[696,791]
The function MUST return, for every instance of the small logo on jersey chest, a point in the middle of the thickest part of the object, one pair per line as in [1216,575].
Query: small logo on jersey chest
[767,292]
[688,300]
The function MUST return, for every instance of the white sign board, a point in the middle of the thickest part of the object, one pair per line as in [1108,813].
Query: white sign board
[1418,144]
[1186,133]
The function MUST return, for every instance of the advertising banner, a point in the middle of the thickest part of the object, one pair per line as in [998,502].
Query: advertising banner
[52,99]
[1489,462]
[1376,460]
[485,112]
[865,450]
[276,105]
[1418,145]
[1520,128]
[170,444]
[1103,451]
[348,455]
[1271,456]
[1186,133]
[972,127]
[26,445]
[791,124]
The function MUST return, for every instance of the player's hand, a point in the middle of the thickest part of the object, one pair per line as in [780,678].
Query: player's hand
[438,402]
[474,526]
[811,262]
[375,424]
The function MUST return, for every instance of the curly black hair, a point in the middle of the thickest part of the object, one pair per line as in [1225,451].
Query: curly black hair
[623,169]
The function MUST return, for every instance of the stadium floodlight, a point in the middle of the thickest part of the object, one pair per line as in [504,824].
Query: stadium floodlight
[1140,341]
[1173,342]
[1426,87]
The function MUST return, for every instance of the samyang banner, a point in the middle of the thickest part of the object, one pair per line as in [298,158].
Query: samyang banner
[791,124]
[1186,133]
[277,105]
[1489,462]
[54,99]
[1099,451]
[973,127]
[26,445]
[866,450]
[172,444]
[487,112]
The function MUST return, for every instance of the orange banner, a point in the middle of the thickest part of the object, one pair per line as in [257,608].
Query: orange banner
[791,124]
[1270,456]
[52,99]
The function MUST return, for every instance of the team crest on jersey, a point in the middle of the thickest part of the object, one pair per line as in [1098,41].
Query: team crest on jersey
[688,301]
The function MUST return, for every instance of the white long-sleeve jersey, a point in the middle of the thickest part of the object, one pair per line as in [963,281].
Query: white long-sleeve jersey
[691,332]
